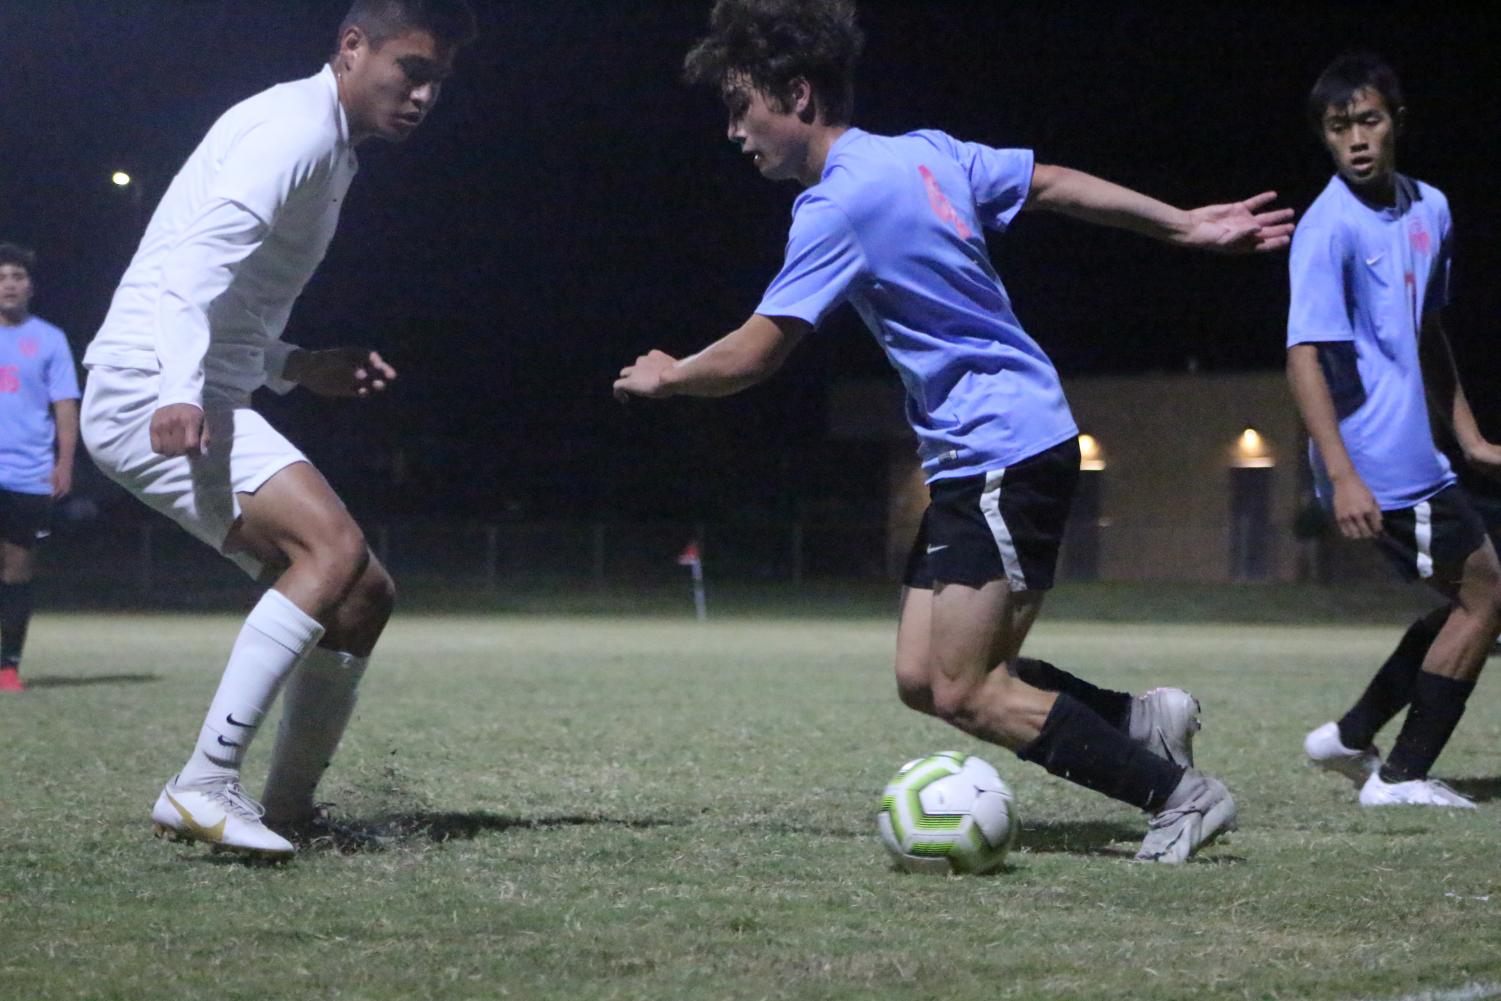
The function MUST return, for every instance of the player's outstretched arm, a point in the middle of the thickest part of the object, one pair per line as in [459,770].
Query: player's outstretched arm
[1448,400]
[736,361]
[347,371]
[1233,228]
[1356,512]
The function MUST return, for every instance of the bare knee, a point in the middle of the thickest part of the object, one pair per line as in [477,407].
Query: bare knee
[339,556]
[957,703]
[375,593]
[996,697]
[913,687]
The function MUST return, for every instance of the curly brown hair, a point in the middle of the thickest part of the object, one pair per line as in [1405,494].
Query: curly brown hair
[774,42]
[21,257]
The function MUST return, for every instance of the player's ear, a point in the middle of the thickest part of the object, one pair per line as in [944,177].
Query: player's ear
[803,103]
[353,43]
[1399,119]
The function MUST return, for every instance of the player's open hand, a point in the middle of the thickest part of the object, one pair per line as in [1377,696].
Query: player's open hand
[349,371]
[1355,509]
[1241,227]
[645,377]
[179,429]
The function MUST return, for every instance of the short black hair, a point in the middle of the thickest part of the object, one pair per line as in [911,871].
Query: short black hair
[19,256]
[1347,76]
[451,22]
[773,42]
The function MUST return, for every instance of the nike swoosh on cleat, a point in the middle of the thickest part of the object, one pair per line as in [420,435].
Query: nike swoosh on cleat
[230,719]
[215,833]
[228,743]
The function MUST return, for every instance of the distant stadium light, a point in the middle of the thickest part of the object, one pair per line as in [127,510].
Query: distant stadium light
[121,179]
[1251,451]
[1091,455]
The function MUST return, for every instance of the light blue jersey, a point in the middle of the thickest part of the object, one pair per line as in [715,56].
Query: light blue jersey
[36,370]
[894,227]
[1366,277]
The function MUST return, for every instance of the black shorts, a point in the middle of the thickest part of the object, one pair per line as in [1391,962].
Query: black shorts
[1439,533]
[1004,524]
[24,518]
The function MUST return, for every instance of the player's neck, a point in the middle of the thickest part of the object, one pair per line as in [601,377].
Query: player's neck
[823,139]
[357,135]
[1380,194]
[15,319]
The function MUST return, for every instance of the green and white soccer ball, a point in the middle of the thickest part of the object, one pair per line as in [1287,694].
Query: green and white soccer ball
[948,812]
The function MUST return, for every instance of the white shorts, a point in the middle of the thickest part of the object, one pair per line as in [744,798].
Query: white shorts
[197,492]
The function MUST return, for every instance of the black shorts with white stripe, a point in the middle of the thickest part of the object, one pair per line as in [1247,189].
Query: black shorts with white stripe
[1003,524]
[1435,535]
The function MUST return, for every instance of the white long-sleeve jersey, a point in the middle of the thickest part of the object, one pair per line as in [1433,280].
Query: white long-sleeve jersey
[236,238]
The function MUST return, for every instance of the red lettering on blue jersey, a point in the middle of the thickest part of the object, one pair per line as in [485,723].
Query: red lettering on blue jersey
[10,379]
[942,207]
[1417,235]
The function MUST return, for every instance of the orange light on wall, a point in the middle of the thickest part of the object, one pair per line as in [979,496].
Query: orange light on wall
[1091,455]
[1251,451]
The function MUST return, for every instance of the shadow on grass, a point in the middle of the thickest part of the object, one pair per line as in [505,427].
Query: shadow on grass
[356,836]
[1104,838]
[79,681]
[1080,837]
[440,827]
[1481,790]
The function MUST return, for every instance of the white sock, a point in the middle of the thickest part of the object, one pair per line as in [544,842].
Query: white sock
[274,638]
[319,702]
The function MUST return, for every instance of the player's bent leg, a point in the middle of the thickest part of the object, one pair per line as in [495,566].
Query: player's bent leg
[295,519]
[1164,720]
[969,631]
[318,704]
[1445,683]
[1059,732]
[914,685]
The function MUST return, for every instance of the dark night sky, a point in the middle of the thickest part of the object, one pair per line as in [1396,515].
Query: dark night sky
[570,204]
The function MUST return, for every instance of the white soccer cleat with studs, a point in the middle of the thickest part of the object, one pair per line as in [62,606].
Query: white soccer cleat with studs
[224,817]
[1415,792]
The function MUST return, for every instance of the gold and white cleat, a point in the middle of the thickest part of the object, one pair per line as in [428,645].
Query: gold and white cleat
[225,818]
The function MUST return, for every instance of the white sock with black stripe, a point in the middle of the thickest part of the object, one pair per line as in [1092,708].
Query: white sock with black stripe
[274,638]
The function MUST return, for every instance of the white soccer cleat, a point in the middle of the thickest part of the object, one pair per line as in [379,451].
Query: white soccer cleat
[1325,750]
[224,817]
[1415,792]
[1198,811]
[1164,721]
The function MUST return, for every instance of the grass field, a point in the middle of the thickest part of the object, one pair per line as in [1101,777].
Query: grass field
[611,807]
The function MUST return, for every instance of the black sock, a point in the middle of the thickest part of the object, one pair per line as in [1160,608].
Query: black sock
[1391,688]
[1078,745]
[1113,707]
[15,616]
[1437,705]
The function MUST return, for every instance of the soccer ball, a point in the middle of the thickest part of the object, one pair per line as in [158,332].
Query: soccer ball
[948,812]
